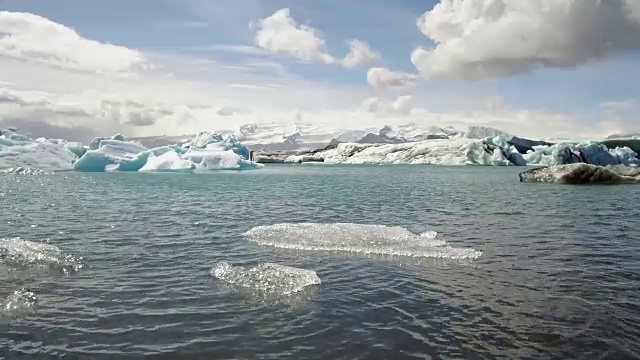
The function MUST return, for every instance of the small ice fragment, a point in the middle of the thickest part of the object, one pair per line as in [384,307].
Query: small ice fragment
[266,278]
[18,303]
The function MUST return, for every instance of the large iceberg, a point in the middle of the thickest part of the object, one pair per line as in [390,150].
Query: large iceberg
[499,150]
[204,152]
[20,151]
[433,152]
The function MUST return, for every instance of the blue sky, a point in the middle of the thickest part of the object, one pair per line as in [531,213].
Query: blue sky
[193,27]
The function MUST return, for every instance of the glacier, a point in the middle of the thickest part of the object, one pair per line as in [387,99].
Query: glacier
[204,152]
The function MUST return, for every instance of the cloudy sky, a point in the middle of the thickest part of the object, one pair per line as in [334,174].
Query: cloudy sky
[542,68]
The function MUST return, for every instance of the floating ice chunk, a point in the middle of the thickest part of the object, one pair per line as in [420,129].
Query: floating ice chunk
[298,159]
[76,148]
[582,174]
[266,278]
[217,142]
[365,239]
[22,253]
[169,161]
[206,160]
[19,303]
[23,171]
[115,155]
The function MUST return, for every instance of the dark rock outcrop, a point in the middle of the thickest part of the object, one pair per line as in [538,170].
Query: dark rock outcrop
[576,174]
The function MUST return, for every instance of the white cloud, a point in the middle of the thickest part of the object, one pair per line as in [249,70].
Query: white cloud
[384,78]
[498,38]
[633,6]
[33,38]
[241,49]
[186,94]
[360,55]
[280,34]
[401,106]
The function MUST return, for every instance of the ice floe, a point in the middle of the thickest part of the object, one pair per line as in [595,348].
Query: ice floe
[357,238]
[266,278]
[19,253]
[582,174]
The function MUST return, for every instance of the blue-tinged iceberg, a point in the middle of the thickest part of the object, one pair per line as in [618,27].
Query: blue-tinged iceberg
[204,152]
[20,151]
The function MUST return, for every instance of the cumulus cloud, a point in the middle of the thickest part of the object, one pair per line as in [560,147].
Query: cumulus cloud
[30,37]
[384,78]
[360,55]
[499,38]
[403,105]
[281,34]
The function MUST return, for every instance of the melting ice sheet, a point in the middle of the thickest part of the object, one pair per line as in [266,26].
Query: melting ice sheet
[365,239]
[18,303]
[266,278]
[26,254]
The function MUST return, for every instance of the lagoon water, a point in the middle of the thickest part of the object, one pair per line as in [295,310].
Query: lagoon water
[120,266]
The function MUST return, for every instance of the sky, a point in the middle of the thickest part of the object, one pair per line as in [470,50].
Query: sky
[538,68]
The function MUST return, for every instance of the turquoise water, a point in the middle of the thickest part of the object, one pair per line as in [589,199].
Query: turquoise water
[558,276]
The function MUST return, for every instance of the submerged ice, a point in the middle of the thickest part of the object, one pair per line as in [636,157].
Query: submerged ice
[356,238]
[266,278]
[19,253]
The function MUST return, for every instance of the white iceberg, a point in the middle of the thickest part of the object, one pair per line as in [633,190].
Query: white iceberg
[429,152]
[267,278]
[170,161]
[20,151]
[357,238]
[496,151]
[582,174]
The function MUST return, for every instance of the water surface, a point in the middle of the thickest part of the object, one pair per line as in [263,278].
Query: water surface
[558,276]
